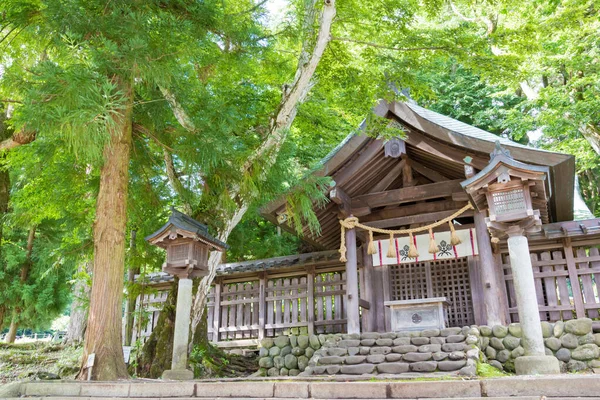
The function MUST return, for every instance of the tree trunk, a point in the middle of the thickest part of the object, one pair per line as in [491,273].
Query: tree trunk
[131,295]
[79,307]
[12,332]
[104,336]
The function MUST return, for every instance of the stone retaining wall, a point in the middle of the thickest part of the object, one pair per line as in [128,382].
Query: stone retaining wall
[451,350]
[572,342]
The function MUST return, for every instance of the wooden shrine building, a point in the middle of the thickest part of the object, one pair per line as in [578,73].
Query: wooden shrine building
[407,183]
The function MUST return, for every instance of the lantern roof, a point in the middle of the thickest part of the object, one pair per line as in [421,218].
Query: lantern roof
[501,162]
[187,227]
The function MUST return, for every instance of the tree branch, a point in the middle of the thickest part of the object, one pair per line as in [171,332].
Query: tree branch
[180,114]
[380,46]
[175,182]
[18,139]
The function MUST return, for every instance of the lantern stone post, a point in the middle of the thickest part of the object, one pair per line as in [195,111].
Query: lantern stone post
[505,188]
[188,243]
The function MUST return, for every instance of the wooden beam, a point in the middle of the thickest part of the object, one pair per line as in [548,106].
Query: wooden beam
[409,194]
[390,177]
[413,209]
[346,173]
[428,172]
[416,219]
[407,175]
[339,197]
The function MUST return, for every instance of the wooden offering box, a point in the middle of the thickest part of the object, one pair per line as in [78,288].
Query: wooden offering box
[418,314]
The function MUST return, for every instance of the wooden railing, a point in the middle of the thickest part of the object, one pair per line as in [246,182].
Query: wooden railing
[244,311]
[566,283]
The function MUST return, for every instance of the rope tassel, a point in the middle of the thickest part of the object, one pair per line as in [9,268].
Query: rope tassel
[391,253]
[433,247]
[454,239]
[371,249]
[343,244]
[412,249]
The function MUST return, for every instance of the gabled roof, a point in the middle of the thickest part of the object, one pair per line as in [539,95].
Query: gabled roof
[436,142]
[179,220]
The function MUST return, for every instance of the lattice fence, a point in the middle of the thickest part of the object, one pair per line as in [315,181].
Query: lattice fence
[239,310]
[438,278]
[565,280]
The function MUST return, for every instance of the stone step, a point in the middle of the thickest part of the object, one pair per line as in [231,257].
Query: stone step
[557,386]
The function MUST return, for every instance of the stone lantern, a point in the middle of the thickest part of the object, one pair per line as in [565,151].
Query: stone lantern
[515,195]
[188,244]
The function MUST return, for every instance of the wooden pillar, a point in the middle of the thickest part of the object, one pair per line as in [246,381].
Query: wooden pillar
[310,298]
[574,278]
[494,308]
[369,316]
[217,311]
[262,284]
[352,313]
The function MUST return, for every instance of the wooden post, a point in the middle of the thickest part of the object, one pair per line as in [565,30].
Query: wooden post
[262,304]
[574,278]
[369,320]
[217,311]
[385,284]
[352,283]
[494,308]
[310,299]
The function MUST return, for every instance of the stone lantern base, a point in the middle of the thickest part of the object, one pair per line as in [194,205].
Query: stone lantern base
[178,375]
[537,365]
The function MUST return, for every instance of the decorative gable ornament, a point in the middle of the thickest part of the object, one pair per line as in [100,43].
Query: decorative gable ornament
[188,243]
[394,148]
[510,191]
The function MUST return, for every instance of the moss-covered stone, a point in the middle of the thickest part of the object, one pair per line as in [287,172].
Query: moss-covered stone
[291,362]
[580,326]
[281,341]
[586,352]
[563,354]
[518,352]
[547,329]
[485,330]
[500,331]
[297,351]
[553,343]
[309,352]
[303,341]
[302,363]
[515,330]
[285,351]
[511,342]
[559,328]
[293,341]
[265,362]
[586,339]
[278,362]
[570,341]
[314,342]
[274,351]
[272,372]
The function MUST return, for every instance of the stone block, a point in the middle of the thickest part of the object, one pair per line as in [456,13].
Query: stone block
[319,370]
[503,356]
[563,386]
[435,389]
[278,362]
[518,352]
[500,331]
[403,349]
[510,342]
[265,362]
[455,338]
[430,348]
[415,357]
[350,336]
[284,372]
[274,351]
[355,359]
[309,352]
[496,364]
[465,330]
[367,342]
[380,350]
[474,331]
[291,361]
[298,351]
[484,342]
[553,343]
[63,389]
[490,352]
[401,341]
[295,372]
[358,369]
[424,366]
[337,351]
[285,351]
[576,366]
[450,331]
[597,339]
[388,335]
[457,355]
[393,368]
[352,351]
[430,332]
[419,341]
[586,352]
[263,352]
[364,350]
[393,357]
[580,326]
[586,339]
[293,340]
[342,390]
[298,390]
[536,365]
[369,335]
[570,341]
[450,347]
[349,343]
[472,340]
[558,329]
[331,360]
[384,342]
[437,340]
[485,330]
[547,329]
[267,343]
[439,356]
[451,365]
[497,343]
[564,354]
[314,342]
[232,389]
[322,339]
[333,369]
[515,329]
[303,341]
[376,358]
[469,370]
[281,341]
[302,363]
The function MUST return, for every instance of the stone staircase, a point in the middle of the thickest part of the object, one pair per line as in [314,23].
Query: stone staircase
[344,387]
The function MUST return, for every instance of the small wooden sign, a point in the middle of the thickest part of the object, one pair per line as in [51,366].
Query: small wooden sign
[90,360]
[126,353]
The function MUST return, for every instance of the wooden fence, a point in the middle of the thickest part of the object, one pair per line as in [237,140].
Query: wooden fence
[565,280]
[247,310]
